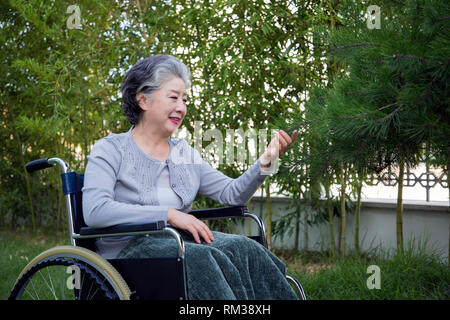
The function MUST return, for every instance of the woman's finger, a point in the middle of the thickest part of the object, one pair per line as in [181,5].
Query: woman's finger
[294,135]
[208,231]
[283,144]
[205,232]
[286,137]
[205,235]
[194,233]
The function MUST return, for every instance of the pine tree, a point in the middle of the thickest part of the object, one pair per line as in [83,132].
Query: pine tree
[391,100]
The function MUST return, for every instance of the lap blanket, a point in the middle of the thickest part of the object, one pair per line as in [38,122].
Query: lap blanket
[231,267]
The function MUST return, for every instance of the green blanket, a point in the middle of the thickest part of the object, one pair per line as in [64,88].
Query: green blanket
[231,267]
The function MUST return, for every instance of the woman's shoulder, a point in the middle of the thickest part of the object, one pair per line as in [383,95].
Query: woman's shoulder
[111,142]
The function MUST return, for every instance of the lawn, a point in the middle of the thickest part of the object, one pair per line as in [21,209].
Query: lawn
[413,275]
[17,249]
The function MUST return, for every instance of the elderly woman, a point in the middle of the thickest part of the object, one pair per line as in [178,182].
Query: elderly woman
[143,175]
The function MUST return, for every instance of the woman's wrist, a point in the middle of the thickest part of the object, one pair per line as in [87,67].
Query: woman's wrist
[170,215]
[264,162]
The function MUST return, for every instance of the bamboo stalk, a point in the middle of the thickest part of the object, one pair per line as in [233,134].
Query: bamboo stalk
[343,186]
[399,223]
[249,226]
[358,211]
[330,220]
[305,233]
[297,230]
[269,214]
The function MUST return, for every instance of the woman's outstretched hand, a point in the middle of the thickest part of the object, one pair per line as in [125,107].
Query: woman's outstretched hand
[190,223]
[277,147]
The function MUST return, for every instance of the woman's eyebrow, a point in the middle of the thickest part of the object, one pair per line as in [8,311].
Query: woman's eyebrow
[177,92]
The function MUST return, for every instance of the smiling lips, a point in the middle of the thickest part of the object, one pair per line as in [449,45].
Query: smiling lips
[175,120]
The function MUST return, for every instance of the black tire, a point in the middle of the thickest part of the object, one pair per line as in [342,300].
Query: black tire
[69,273]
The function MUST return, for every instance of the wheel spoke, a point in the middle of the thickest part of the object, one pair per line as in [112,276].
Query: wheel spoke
[36,283]
[32,297]
[90,289]
[37,295]
[46,283]
[63,288]
[51,283]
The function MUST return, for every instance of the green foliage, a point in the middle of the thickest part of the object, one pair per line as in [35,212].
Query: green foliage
[385,98]
[60,87]
[380,94]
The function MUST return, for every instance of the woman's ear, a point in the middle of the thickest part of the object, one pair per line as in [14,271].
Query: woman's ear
[142,100]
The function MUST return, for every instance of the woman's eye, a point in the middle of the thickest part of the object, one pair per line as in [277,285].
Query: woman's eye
[175,98]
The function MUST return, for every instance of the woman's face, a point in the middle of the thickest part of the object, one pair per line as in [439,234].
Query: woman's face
[166,109]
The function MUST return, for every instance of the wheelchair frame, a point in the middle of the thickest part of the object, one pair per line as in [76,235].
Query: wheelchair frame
[89,260]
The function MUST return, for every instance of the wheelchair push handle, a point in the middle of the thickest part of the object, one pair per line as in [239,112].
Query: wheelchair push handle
[38,164]
[45,163]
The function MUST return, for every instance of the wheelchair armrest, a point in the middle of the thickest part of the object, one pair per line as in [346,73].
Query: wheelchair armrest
[232,212]
[124,228]
[220,213]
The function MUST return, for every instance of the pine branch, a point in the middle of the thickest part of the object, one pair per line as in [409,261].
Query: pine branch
[426,92]
[440,19]
[419,101]
[390,115]
[355,45]
[402,56]
[307,122]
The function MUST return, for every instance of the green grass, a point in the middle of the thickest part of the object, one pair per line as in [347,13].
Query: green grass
[19,248]
[414,275]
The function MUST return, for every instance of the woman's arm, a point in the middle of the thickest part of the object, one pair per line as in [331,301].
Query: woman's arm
[100,210]
[228,191]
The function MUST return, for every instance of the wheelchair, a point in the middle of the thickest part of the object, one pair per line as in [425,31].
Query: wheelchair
[77,272]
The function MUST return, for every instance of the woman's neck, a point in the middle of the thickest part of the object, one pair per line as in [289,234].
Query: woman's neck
[150,141]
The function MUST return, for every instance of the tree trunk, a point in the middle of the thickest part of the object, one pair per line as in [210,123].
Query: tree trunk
[269,214]
[249,226]
[261,205]
[297,229]
[400,207]
[358,210]
[330,220]
[343,186]
[305,234]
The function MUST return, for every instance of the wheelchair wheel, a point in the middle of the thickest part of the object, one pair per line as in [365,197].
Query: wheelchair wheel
[69,273]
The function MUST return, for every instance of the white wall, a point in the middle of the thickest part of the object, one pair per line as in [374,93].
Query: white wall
[421,221]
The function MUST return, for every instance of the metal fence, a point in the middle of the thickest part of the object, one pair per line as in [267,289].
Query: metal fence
[428,179]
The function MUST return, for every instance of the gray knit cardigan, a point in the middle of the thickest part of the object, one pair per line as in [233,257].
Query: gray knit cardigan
[120,182]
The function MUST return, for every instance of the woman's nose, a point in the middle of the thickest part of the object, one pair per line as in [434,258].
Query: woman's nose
[180,106]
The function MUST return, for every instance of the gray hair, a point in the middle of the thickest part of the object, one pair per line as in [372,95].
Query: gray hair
[146,76]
